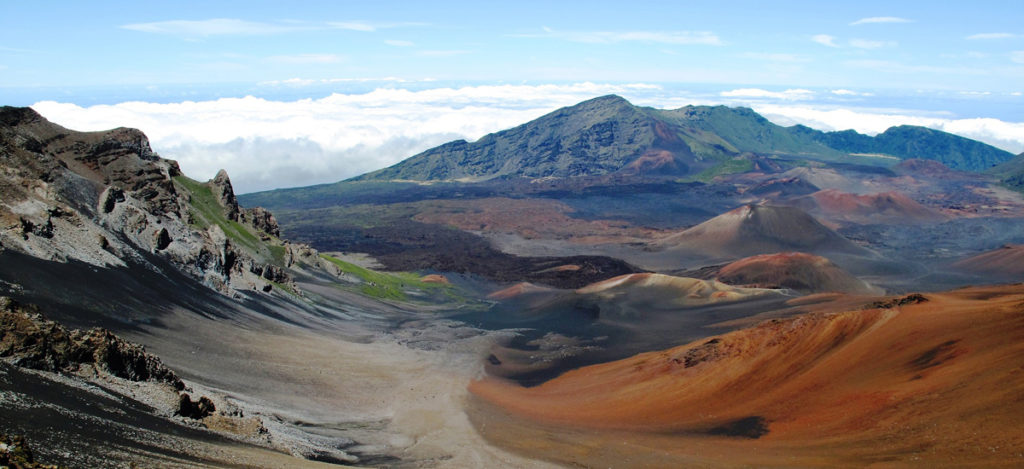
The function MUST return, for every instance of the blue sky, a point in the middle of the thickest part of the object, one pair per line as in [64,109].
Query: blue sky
[961,46]
[951,61]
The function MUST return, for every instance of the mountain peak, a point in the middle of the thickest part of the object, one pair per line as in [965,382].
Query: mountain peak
[760,229]
[11,116]
[609,135]
[608,99]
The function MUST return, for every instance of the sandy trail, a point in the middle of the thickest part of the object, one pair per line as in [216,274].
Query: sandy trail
[313,387]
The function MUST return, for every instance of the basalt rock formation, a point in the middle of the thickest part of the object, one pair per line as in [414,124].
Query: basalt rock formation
[30,340]
[105,198]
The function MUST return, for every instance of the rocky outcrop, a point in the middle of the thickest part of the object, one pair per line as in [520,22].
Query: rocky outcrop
[225,194]
[196,410]
[105,198]
[30,340]
[15,453]
[261,220]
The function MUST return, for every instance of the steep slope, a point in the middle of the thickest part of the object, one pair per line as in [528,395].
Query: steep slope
[759,229]
[608,135]
[908,141]
[913,381]
[104,198]
[799,271]
[1006,262]
[714,130]
[1011,173]
[599,136]
[100,232]
[100,398]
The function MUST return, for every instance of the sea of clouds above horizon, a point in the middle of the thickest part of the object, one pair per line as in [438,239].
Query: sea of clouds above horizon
[266,144]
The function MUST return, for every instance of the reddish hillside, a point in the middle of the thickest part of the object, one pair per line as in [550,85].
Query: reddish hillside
[885,207]
[760,229]
[668,290]
[923,381]
[1007,261]
[795,270]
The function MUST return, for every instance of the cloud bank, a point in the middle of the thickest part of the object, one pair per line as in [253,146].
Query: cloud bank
[707,38]
[265,144]
[212,27]
[880,19]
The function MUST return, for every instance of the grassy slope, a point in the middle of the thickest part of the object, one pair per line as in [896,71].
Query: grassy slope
[1011,173]
[391,286]
[733,166]
[206,212]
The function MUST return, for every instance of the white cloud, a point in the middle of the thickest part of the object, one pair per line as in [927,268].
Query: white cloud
[213,27]
[788,95]
[982,36]
[1017,56]
[307,59]
[238,27]
[353,26]
[298,82]
[441,53]
[399,43]
[825,40]
[369,27]
[265,144]
[1006,135]
[880,19]
[867,44]
[845,92]
[612,37]
[774,57]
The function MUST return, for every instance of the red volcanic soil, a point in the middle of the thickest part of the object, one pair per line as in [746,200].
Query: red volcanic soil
[517,290]
[795,270]
[886,206]
[654,161]
[1006,261]
[435,278]
[759,229]
[936,381]
[667,289]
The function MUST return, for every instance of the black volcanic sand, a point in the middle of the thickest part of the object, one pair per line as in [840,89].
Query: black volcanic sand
[332,372]
[405,245]
[69,426]
[596,331]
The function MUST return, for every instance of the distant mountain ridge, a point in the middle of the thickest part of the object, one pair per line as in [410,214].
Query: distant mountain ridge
[609,135]
[910,141]
[1011,173]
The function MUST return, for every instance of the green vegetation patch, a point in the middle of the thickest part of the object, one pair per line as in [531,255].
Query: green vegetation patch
[207,211]
[733,166]
[389,286]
